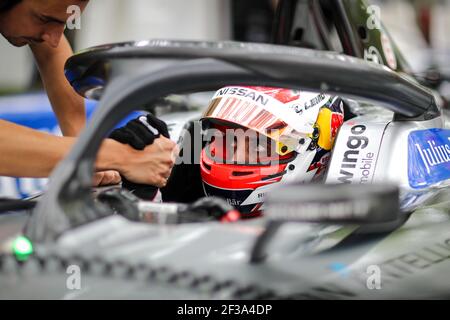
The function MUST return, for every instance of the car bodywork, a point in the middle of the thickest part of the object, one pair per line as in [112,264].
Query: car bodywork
[311,260]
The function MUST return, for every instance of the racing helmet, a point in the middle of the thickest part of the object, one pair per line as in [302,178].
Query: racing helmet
[258,137]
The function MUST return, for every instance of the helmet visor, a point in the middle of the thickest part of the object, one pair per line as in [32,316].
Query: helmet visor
[284,115]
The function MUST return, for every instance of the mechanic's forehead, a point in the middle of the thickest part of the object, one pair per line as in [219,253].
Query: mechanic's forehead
[56,9]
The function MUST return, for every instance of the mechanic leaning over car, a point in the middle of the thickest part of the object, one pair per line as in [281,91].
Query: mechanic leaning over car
[29,153]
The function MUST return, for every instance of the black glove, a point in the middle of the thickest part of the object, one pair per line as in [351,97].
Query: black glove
[139,133]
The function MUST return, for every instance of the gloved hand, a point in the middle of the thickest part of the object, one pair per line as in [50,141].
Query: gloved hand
[139,133]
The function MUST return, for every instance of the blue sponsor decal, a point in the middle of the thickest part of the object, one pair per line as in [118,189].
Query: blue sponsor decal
[428,157]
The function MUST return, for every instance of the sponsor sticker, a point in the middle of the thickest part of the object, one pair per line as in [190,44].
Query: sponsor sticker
[428,157]
[355,157]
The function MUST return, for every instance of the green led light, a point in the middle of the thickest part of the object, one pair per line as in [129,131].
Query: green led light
[22,248]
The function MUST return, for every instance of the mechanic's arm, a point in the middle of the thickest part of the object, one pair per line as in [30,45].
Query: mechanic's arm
[66,103]
[29,153]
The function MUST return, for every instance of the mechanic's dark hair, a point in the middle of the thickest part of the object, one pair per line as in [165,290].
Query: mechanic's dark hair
[6,5]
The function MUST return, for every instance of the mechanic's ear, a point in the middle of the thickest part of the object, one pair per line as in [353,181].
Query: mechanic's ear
[53,35]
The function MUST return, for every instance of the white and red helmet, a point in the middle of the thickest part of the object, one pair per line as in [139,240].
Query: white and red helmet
[277,136]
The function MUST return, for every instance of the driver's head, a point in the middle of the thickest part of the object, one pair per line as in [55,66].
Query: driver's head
[259,137]
[25,22]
